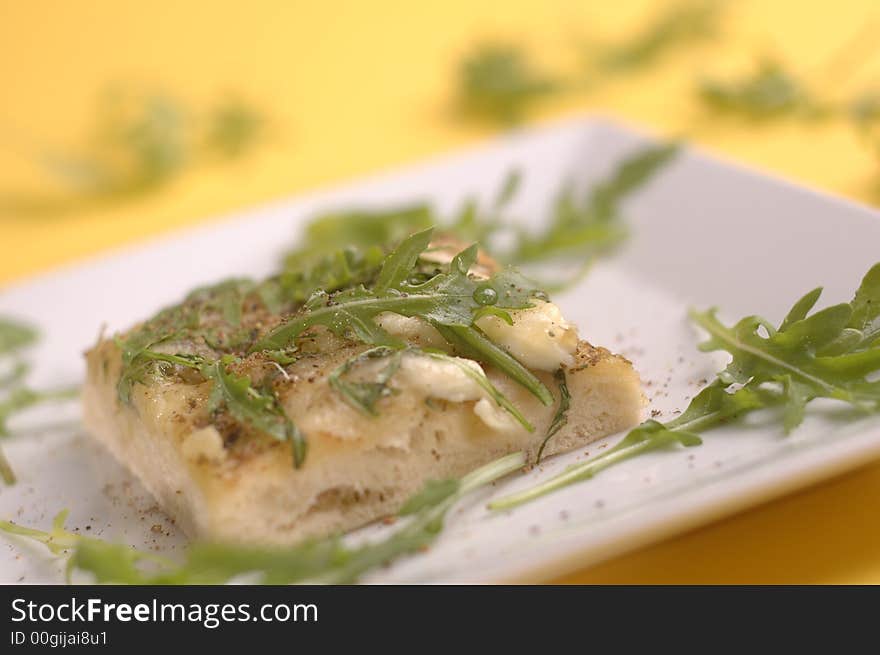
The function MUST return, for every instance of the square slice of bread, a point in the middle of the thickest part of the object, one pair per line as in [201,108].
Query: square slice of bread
[221,482]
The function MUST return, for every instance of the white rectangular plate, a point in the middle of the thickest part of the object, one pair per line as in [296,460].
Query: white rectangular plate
[703,232]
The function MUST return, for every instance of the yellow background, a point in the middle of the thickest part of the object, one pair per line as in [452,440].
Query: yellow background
[356,86]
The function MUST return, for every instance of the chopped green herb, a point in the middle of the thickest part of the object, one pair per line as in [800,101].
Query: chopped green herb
[325,561]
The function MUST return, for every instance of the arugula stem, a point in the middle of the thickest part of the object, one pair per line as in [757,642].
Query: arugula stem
[491,472]
[6,472]
[701,422]
[575,473]
[324,561]
[14,376]
[283,336]
[423,528]
[485,384]
[561,416]
[475,345]
[194,362]
[759,361]
[19,400]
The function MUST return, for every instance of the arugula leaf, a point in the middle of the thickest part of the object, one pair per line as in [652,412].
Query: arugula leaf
[399,264]
[446,300]
[497,83]
[214,313]
[364,395]
[234,127]
[560,418]
[139,142]
[225,297]
[169,324]
[789,357]
[303,275]
[257,409]
[57,540]
[677,25]
[14,375]
[434,492]
[108,563]
[825,354]
[770,92]
[359,229]
[327,561]
[582,228]
[582,225]
[15,335]
[866,309]
[254,408]
[509,186]
[864,109]
[18,400]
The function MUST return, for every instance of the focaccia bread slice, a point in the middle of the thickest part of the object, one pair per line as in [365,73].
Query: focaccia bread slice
[377,425]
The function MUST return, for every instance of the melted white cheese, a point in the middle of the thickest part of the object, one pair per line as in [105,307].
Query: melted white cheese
[540,337]
[447,381]
[204,444]
[412,329]
[495,417]
[438,379]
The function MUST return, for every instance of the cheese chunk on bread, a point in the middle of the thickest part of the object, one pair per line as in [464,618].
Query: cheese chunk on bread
[221,479]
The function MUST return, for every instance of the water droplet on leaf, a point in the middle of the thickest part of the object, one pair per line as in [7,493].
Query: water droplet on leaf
[485,295]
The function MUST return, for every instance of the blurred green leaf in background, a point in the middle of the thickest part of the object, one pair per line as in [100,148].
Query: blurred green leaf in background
[139,141]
